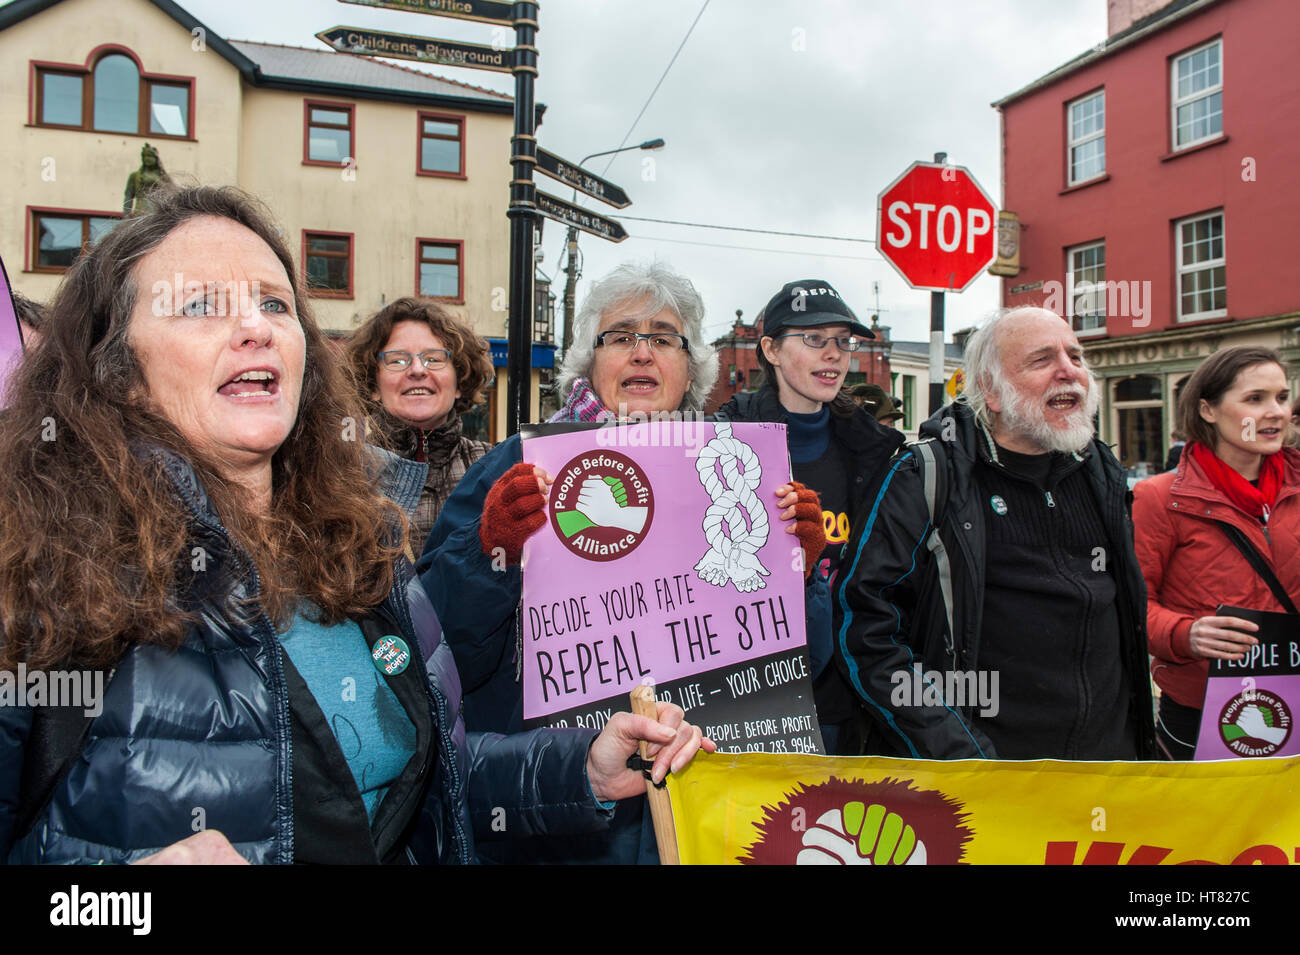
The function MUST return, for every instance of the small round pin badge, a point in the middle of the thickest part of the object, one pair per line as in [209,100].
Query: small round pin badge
[999,505]
[391,655]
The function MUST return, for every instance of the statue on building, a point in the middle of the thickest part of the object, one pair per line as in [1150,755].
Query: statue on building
[142,181]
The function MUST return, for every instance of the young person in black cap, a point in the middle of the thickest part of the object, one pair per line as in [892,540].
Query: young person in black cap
[836,448]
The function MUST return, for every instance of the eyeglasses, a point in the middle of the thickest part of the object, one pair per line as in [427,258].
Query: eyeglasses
[662,343]
[814,340]
[431,359]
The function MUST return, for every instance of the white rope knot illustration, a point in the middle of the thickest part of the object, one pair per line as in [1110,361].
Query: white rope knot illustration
[733,548]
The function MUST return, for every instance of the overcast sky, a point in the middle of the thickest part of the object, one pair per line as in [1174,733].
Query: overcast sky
[789,115]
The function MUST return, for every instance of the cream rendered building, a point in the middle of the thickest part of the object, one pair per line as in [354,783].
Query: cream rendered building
[388,181]
[909,364]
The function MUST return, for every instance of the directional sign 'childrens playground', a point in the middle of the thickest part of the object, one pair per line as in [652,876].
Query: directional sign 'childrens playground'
[664,560]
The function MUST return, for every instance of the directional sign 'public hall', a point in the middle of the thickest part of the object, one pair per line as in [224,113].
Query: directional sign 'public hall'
[562,211]
[403,46]
[485,11]
[581,179]
[934,224]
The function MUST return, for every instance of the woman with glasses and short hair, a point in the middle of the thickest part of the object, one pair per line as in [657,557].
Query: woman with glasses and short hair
[417,369]
[638,350]
[836,448]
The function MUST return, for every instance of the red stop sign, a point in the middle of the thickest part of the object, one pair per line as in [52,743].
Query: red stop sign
[936,225]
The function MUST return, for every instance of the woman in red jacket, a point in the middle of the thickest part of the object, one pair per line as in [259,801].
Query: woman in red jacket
[1236,412]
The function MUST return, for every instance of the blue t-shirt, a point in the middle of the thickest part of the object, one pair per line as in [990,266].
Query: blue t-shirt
[373,731]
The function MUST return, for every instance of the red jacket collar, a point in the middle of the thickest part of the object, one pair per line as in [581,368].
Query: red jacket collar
[1192,481]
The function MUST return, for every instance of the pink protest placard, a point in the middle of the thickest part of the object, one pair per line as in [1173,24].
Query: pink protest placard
[11,344]
[664,560]
[1250,705]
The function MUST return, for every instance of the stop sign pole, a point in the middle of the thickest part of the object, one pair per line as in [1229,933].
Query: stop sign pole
[934,225]
[936,336]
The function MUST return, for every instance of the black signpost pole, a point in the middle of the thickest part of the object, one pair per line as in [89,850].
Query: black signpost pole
[936,337]
[522,214]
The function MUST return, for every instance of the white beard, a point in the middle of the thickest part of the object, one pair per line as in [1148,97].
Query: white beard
[1027,417]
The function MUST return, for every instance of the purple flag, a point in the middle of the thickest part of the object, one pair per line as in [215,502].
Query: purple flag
[11,342]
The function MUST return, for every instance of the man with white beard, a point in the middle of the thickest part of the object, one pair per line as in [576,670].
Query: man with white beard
[993,605]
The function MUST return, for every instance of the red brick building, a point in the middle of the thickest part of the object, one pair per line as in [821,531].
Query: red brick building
[1154,177]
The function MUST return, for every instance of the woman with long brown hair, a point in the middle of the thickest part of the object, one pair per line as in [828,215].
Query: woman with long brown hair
[417,370]
[183,515]
[1235,479]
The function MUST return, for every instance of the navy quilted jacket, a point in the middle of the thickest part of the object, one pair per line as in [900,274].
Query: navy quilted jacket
[204,733]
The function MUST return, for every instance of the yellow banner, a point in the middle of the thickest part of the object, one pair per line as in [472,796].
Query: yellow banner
[763,808]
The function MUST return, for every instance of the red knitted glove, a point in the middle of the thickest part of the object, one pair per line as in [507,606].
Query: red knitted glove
[808,526]
[512,512]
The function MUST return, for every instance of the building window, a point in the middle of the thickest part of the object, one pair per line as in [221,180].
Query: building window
[327,263]
[1202,272]
[1087,282]
[60,95]
[1139,417]
[328,137]
[1198,95]
[59,236]
[909,402]
[1087,119]
[117,95]
[169,109]
[439,271]
[114,97]
[442,145]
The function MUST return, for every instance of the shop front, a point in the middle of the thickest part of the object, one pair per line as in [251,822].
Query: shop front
[1141,377]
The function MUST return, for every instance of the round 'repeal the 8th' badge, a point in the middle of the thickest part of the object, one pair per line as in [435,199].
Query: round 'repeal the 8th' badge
[1255,723]
[601,505]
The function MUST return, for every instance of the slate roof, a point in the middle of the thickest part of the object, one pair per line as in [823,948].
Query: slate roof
[1165,16]
[301,69]
[327,66]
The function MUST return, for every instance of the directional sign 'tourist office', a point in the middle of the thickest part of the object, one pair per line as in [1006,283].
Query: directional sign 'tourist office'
[562,211]
[485,11]
[403,46]
[581,179]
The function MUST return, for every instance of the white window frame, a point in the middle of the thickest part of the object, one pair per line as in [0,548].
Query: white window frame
[1175,102]
[1072,144]
[1072,284]
[1180,269]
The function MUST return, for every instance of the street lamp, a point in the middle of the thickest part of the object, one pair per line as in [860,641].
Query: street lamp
[571,246]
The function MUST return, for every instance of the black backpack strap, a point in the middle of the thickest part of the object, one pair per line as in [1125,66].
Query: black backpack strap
[932,466]
[1257,562]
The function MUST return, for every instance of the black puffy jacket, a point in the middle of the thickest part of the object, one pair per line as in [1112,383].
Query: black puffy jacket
[897,601]
[208,727]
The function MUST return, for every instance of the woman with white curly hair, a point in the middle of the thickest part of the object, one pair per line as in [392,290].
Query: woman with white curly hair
[607,373]
[638,351]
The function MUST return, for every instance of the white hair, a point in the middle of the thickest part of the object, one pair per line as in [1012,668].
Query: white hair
[657,287]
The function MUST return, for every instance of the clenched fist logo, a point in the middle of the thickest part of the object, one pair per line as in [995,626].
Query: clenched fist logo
[1255,723]
[855,822]
[861,835]
[601,505]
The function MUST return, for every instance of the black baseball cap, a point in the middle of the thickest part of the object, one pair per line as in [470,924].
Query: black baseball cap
[807,304]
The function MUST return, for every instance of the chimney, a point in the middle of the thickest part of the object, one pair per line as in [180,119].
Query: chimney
[1122,14]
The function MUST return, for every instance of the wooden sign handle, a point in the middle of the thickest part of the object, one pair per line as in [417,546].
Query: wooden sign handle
[661,811]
